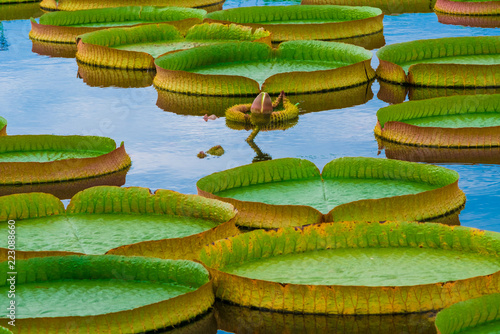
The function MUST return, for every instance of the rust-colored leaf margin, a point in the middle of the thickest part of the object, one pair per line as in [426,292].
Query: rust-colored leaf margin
[471,8]
[172,68]
[113,159]
[133,200]
[161,315]
[344,299]
[387,6]
[440,75]
[98,48]
[489,155]
[237,319]
[76,5]
[430,205]
[355,21]
[466,315]
[59,27]
[3,126]
[391,124]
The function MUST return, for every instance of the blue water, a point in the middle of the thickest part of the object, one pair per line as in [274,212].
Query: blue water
[42,95]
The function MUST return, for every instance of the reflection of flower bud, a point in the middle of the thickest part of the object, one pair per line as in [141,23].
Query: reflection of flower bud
[262,108]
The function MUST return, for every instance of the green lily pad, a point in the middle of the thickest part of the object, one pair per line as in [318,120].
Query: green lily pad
[29,159]
[64,27]
[292,192]
[78,5]
[4,330]
[305,22]
[355,267]
[474,316]
[245,68]
[92,292]
[456,121]
[443,62]
[3,126]
[103,219]
[387,6]
[136,48]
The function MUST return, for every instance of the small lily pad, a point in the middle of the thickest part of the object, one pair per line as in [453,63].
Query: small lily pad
[89,293]
[292,192]
[124,221]
[355,267]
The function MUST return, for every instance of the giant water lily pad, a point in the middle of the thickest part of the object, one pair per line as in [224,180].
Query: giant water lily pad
[355,268]
[111,294]
[76,5]
[475,316]
[443,62]
[457,121]
[388,6]
[292,192]
[137,47]
[64,27]
[245,68]
[123,221]
[238,319]
[287,23]
[28,159]
[468,7]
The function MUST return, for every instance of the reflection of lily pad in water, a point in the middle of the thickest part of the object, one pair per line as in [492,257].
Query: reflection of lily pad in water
[304,22]
[487,21]
[47,158]
[237,319]
[100,219]
[136,48]
[292,192]
[456,121]
[443,62]
[474,316]
[64,27]
[89,293]
[19,11]
[240,68]
[387,6]
[95,76]
[468,7]
[59,50]
[355,268]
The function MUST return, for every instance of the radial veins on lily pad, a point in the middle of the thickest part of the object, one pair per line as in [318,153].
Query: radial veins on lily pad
[113,220]
[244,68]
[304,22]
[444,62]
[28,159]
[456,121]
[478,315]
[137,47]
[355,267]
[105,294]
[64,27]
[293,192]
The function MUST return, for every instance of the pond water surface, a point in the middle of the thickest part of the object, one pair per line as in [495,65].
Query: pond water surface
[44,95]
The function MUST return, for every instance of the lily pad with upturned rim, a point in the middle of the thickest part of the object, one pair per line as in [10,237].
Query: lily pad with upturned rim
[443,62]
[479,315]
[244,68]
[468,7]
[29,159]
[113,220]
[107,294]
[453,122]
[64,27]
[292,192]
[387,6]
[78,5]
[305,22]
[355,267]
[137,47]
